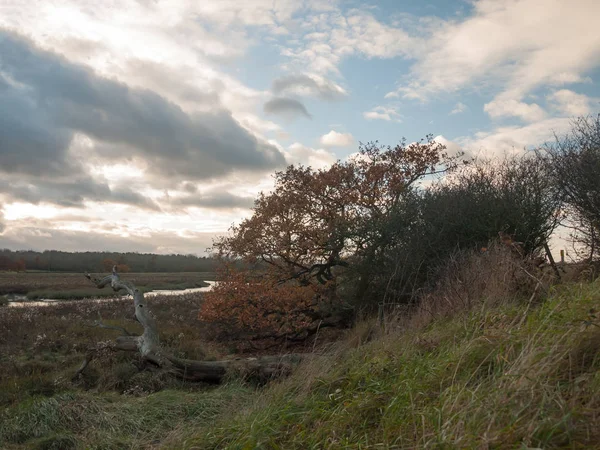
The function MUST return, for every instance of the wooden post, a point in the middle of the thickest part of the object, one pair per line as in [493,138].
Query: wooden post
[562,256]
[551,259]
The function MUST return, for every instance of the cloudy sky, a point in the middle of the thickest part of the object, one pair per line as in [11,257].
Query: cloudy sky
[150,125]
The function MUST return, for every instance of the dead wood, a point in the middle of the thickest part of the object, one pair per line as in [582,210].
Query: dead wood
[148,346]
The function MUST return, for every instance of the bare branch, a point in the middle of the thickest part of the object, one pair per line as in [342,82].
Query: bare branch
[148,346]
[99,324]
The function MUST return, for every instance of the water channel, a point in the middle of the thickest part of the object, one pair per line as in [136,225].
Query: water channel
[21,300]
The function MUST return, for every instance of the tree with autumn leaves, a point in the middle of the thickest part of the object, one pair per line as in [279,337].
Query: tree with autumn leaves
[295,248]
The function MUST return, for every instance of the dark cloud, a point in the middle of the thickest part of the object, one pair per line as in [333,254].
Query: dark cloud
[305,84]
[44,99]
[214,200]
[287,107]
[190,187]
[30,142]
[123,194]
[72,192]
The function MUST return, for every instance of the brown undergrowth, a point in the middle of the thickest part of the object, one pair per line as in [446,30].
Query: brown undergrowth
[497,356]
[493,358]
[41,346]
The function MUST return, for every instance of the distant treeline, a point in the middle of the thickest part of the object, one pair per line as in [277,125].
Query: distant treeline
[52,260]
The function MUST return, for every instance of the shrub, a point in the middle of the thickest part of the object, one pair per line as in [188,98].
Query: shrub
[575,159]
[515,197]
[313,223]
[259,304]
[471,280]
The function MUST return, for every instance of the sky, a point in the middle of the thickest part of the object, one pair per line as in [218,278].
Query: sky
[151,125]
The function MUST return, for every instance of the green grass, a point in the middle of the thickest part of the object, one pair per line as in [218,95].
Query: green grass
[108,420]
[491,379]
[509,376]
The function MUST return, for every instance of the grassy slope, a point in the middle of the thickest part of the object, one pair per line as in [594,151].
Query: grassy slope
[109,420]
[503,378]
[507,377]
[113,406]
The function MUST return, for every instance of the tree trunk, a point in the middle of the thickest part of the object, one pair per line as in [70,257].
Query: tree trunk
[148,346]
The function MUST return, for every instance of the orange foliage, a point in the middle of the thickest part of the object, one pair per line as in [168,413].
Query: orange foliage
[108,265]
[10,265]
[244,301]
[313,221]
[122,268]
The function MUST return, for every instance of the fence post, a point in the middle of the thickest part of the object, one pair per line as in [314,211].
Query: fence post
[552,263]
[380,315]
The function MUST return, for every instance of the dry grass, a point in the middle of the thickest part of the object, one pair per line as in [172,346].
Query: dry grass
[41,346]
[496,358]
[481,367]
[478,281]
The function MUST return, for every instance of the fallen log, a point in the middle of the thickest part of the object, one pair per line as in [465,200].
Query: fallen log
[148,347]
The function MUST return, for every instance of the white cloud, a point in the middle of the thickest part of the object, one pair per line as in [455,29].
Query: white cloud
[562,78]
[512,108]
[335,139]
[2,223]
[513,139]
[339,35]
[452,148]
[316,158]
[164,47]
[366,35]
[306,84]
[228,13]
[509,45]
[383,113]
[459,108]
[177,50]
[571,103]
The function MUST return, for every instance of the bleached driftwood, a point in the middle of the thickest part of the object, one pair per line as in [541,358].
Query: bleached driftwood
[148,346]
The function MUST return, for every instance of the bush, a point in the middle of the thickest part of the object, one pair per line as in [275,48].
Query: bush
[312,224]
[471,280]
[366,227]
[514,197]
[575,160]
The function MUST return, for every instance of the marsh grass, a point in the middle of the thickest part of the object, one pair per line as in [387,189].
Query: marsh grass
[42,346]
[502,376]
[483,365]
[67,286]
[114,404]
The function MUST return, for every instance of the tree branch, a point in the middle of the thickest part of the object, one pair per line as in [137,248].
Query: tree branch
[99,324]
[192,370]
